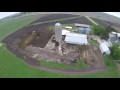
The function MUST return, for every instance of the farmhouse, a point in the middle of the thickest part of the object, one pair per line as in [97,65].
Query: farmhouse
[104,49]
[114,38]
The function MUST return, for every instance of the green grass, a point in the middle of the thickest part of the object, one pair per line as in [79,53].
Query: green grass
[92,21]
[79,64]
[68,25]
[13,67]
[52,28]
[95,42]
[112,69]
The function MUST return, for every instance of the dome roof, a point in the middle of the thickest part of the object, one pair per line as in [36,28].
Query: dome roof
[57,24]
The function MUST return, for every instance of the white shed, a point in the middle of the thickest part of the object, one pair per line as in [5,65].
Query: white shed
[104,49]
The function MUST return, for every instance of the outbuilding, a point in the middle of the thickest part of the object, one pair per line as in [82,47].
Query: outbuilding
[74,38]
[104,49]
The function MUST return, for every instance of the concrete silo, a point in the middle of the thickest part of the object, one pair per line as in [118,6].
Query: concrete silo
[58,33]
[58,36]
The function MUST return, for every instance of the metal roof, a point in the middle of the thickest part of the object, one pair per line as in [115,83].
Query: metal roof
[74,38]
[104,48]
[81,25]
[113,40]
[64,32]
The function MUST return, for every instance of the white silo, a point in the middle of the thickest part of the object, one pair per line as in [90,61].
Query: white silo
[58,32]
[58,36]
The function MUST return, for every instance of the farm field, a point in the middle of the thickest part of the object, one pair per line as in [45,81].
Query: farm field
[100,22]
[8,60]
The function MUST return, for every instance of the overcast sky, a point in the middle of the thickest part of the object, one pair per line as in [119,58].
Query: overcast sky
[114,13]
[4,14]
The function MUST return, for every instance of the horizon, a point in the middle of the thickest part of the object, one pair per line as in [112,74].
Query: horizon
[5,14]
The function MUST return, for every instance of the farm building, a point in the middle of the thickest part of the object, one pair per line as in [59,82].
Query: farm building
[87,31]
[81,30]
[113,40]
[64,32]
[114,33]
[74,38]
[118,35]
[68,27]
[82,25]
[104,49]
[84,30]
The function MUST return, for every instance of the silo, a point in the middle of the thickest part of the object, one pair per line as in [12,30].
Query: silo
[58,33]
[87,31]
[81,30]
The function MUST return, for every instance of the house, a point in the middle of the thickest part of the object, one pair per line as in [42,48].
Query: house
[104,49]
[75,38]
[113,40]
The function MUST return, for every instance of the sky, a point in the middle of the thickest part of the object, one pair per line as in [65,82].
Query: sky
[4,14]
[114,13]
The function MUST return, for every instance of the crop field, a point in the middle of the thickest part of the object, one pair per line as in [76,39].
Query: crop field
[12,66]
[100,22]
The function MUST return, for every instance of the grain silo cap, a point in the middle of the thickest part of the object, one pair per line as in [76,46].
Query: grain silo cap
[57,24]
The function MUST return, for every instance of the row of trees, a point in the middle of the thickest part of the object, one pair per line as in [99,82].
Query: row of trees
[103,32]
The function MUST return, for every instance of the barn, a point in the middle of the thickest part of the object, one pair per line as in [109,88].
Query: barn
[75,38]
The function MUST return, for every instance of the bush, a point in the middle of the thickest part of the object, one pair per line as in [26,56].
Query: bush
[115,51]
[103,33]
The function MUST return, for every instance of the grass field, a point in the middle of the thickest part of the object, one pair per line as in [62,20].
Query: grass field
[95,42]
[12,67]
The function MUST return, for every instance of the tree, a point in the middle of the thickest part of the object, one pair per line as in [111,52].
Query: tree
[115,51]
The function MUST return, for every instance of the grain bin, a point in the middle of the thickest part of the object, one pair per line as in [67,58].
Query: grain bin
[81,30]
[87,31]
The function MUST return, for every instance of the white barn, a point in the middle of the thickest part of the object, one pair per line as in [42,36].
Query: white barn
[74,38]
[104,49]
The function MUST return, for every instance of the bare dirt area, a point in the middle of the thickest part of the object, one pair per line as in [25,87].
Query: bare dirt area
[82,20]
[92,56]
[54,17]
[42,48]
